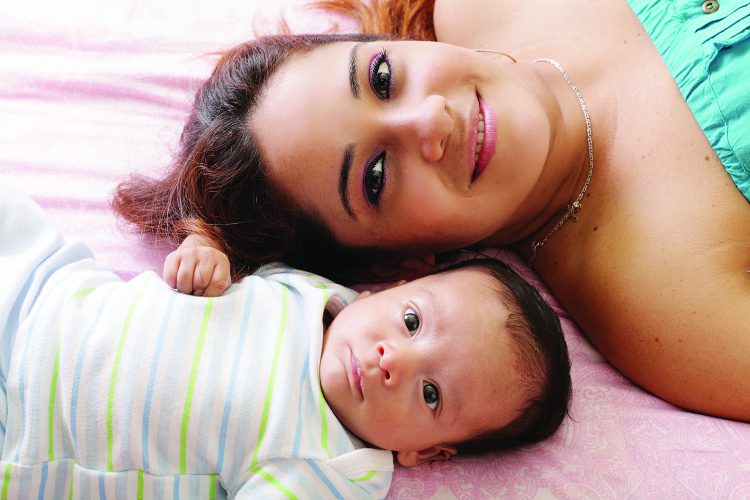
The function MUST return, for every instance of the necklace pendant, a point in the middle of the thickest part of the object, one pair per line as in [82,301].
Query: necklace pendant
[573,210]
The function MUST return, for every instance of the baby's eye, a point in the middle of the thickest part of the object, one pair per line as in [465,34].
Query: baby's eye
[431,395]
[380,75]
[411,320]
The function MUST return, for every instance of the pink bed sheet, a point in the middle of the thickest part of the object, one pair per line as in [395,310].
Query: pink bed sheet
[91,91]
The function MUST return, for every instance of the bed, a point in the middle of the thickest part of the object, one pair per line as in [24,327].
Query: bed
[91,91]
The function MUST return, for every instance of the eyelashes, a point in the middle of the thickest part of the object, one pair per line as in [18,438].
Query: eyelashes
[381,79]
[374,179]
[381,82]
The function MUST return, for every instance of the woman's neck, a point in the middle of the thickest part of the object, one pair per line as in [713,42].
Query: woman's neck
[562,31]
[567,168]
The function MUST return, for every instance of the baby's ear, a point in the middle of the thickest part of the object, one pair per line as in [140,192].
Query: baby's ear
[431,454]
[409,268]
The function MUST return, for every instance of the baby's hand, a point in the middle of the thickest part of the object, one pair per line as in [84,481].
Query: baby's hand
[198,269]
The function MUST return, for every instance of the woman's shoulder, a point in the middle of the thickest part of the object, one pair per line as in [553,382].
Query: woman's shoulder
[457,21]
[493,23]
[518,25]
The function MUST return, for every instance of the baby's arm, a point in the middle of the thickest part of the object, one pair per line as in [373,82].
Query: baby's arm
[197,268]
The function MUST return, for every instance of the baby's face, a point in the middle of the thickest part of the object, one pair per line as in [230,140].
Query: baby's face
[422,365]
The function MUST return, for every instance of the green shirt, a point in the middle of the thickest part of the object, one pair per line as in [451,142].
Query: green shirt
[708,54]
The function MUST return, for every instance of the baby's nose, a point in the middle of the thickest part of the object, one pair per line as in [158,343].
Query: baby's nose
[397,363]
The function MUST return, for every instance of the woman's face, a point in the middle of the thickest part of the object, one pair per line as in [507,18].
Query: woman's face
[405,145]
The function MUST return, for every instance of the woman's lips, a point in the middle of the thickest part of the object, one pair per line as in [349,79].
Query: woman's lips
[486,139]
[357,380]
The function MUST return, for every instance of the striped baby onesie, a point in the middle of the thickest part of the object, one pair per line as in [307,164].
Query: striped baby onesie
[131,390]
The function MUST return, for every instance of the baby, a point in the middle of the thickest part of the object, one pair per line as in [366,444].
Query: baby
[287,385]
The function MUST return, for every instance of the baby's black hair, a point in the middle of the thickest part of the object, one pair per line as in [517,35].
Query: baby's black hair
[541,359]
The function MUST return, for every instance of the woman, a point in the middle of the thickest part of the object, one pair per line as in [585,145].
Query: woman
[575,147]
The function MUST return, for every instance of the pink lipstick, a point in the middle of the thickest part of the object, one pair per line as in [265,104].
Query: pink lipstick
[485,140]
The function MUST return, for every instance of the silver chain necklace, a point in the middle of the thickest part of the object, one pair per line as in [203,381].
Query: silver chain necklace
[574,207]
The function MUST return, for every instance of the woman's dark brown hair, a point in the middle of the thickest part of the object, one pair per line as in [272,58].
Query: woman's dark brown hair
[217,186]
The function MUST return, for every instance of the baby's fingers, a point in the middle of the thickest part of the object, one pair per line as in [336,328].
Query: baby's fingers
[220,279]
[211,277]
[204,269]
[185,272]
[171,264]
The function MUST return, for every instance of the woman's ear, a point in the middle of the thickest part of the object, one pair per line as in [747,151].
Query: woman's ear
[408,268]
[433,453]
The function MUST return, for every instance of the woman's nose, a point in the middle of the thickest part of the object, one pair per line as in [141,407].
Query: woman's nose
[427,122]
[397,362]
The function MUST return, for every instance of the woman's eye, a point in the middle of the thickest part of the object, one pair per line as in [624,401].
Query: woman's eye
[411,320]
[431,395]
[380,76]
[374,179]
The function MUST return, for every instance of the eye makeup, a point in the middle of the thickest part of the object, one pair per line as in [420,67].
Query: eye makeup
[381,75]
[373,179]
[374,172]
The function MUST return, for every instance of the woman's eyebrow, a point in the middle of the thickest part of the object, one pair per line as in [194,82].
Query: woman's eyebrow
[346,166]
[353,81]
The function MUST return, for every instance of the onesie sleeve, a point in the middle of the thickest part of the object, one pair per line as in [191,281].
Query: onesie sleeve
[297,478]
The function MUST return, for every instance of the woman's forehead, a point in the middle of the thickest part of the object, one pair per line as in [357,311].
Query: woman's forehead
[301,120]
